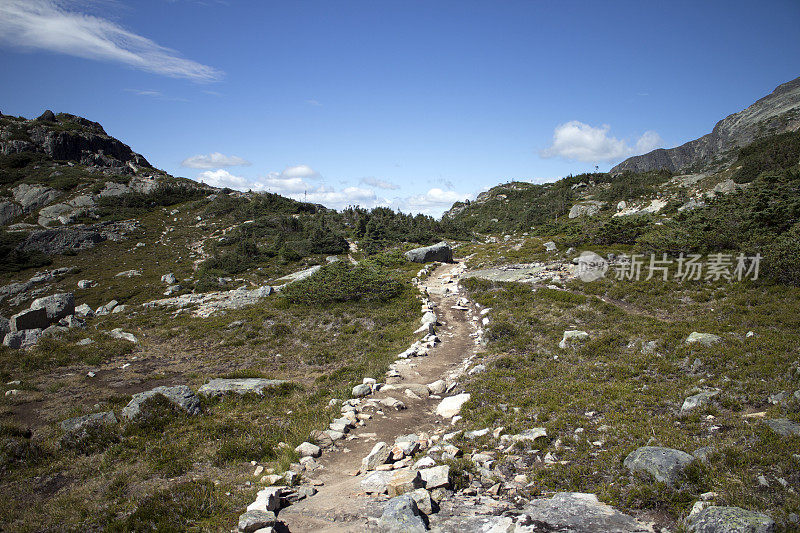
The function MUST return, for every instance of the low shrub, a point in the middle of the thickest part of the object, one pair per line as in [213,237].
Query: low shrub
[343,282]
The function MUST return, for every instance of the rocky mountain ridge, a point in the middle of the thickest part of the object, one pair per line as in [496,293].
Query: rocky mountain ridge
[777,112]
[67,137]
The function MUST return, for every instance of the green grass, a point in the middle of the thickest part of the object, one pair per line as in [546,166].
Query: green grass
[637,395]
[172,468]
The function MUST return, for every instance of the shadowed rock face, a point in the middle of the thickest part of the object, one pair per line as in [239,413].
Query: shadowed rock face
[68,137]
[776,113]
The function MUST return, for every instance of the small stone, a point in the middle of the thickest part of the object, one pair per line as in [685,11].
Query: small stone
[423,500]
[403,481]
[435,477]
[376,482]
[451,406]
[362,390]
[267,499]
[572,337]
[437,387]
[378,456]
[307,449]
[703,338]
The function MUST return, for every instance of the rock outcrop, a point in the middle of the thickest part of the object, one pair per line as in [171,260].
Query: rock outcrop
[66,137]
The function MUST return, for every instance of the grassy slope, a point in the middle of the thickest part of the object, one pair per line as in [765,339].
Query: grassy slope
[322,350]
[637,395]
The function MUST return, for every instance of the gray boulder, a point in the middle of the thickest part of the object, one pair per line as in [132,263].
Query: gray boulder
[585,209]
[695,401]
[29,319]
[435,477]
[181,396]
[267,499]
[403,481]
[664,464]
[22,339]
[783,426]
[378,456]
[84,310]
[57,306]
[376,482]
[401,515]
[252,521]
[80,430]
[5,326]
[716,519]
[362,390]
[169,279]
[33,196]
[577,512]
[220,386]
[436,252]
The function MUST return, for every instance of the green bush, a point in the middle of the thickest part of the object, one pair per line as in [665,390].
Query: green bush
[343,282]
[12,259]
[773,153]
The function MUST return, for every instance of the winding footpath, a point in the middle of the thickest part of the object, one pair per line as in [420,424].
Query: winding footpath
[341,503]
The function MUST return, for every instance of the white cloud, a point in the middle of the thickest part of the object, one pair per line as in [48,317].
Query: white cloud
[300,171]
[45,25]
[315,103]
[648,142]
[434,202]
[381,184]
[303,183]
[223,178]
[582,142]
[214,160]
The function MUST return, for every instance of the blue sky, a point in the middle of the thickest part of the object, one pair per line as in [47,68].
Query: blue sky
[407,104]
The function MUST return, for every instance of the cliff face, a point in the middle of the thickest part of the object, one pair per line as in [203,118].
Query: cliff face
[66,137]
[776,113]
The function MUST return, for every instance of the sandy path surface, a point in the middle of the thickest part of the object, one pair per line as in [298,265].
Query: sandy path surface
[340,505]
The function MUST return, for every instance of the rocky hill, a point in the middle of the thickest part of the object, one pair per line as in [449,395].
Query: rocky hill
[777,112]
[65,137]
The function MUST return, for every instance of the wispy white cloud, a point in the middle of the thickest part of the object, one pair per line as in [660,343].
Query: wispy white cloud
[380,184]
[47,25]
[158,95]
[214,160]
[582,142]
[314,102]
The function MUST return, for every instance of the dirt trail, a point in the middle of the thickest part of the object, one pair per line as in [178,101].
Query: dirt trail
[340,505]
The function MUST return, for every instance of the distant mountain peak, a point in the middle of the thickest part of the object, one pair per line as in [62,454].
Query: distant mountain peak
[777,112]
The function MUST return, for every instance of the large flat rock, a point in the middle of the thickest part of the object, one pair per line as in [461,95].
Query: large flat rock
[440,251]
[578,512]
[220,386]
